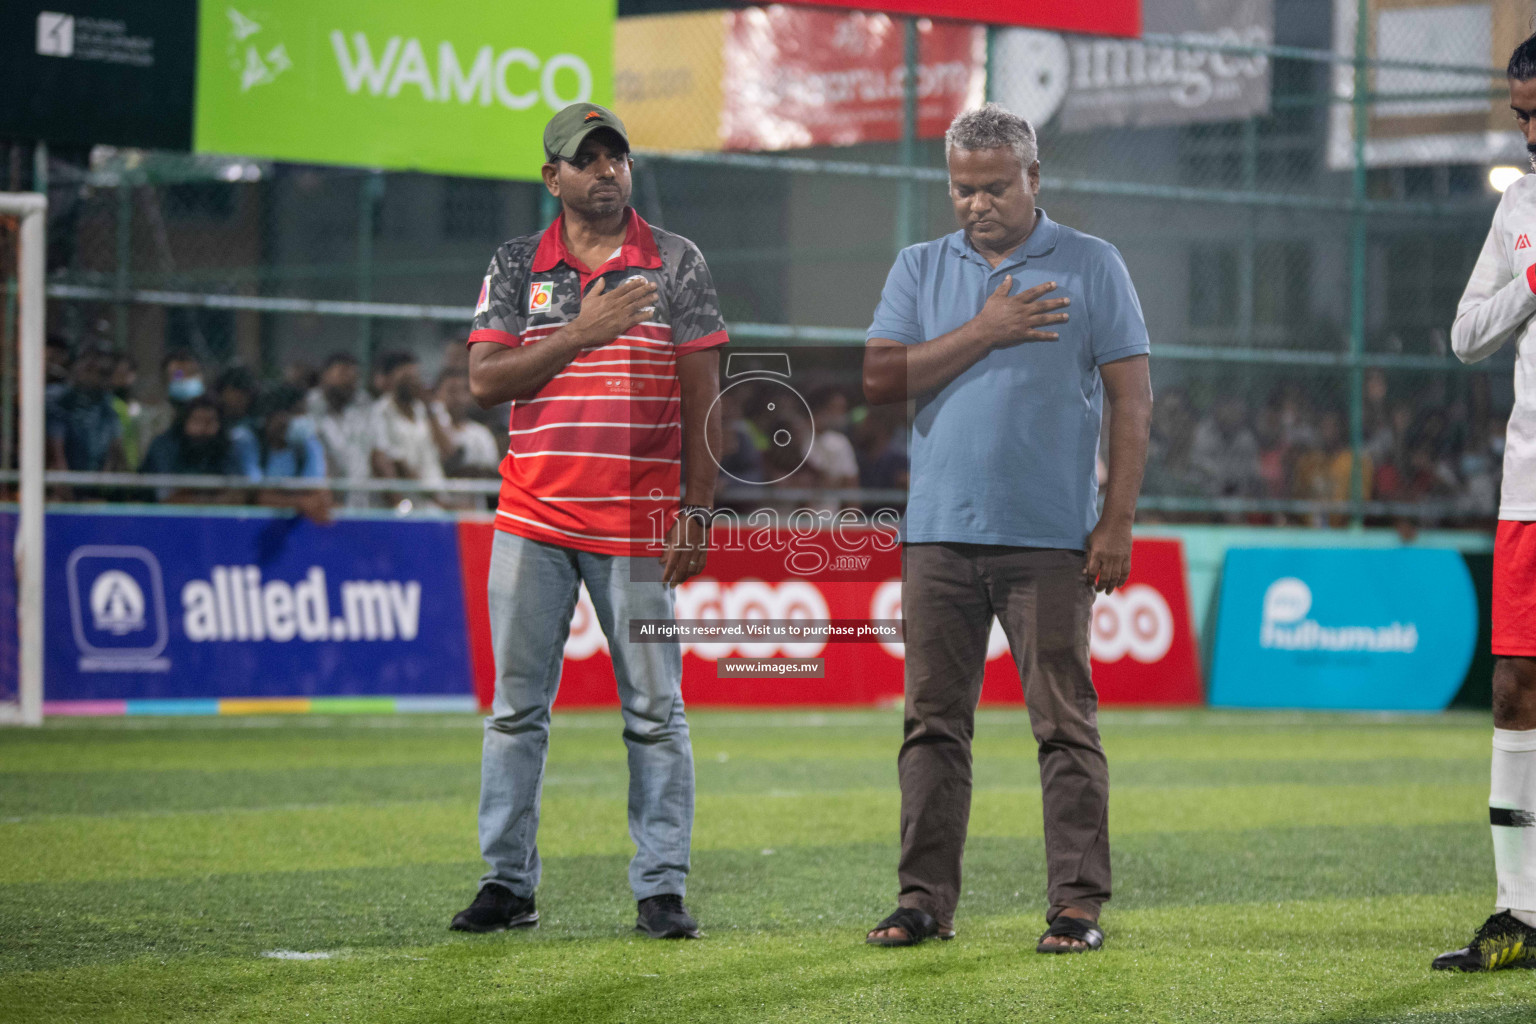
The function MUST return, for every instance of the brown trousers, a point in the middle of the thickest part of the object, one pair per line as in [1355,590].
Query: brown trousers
[950,592]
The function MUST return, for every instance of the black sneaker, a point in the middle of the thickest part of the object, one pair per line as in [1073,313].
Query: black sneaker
[495,910]
[665,917]
[1502,941]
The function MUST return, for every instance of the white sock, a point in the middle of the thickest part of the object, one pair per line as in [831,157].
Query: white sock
[1512,808]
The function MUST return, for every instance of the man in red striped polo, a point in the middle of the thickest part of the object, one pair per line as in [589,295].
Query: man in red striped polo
[603,332]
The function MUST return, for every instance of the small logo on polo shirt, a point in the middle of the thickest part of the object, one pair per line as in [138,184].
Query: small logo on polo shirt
[1523,242]
[484,302]
[539,296]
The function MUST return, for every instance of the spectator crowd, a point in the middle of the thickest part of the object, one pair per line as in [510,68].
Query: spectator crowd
[1427,446]
[331,424]
[324,424]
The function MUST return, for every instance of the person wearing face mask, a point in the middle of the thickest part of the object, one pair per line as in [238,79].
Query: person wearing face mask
[343,419]
[408,441]
[182,374]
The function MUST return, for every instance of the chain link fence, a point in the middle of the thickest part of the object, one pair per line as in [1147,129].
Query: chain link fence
[1299,188]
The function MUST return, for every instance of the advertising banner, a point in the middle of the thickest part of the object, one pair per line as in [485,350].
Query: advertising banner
[800,77]
[1435,116]
[1389,630]
[1099,83]
[463,90]
[89,72]
[1142,641]
[178,607]
[669,78]
[1103,17]
[176,614]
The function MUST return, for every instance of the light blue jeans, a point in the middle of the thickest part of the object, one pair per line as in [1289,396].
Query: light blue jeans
[533,591]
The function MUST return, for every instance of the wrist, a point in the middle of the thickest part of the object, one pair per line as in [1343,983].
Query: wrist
[1117,519]
[982,333]
[699,513]
[577,334]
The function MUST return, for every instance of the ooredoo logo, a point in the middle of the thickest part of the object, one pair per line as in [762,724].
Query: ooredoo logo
[705,598]
[1287,600]
[1134,620]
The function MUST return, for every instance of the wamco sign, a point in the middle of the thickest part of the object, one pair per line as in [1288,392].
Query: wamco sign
[402,64]
[397,85]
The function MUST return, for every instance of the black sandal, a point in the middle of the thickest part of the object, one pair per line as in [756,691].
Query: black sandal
[1071,928]
[918,924]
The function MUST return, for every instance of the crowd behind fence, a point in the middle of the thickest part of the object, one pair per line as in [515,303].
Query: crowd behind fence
[1299,289]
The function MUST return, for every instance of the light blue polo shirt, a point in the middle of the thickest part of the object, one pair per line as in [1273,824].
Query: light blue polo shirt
[1006,452]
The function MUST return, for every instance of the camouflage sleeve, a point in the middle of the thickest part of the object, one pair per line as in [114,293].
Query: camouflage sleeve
[496,311]
[696,320]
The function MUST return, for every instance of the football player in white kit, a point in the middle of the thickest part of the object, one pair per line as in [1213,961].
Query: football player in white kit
[1495,309]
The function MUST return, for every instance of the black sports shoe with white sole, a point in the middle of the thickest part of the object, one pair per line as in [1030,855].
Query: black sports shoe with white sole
[1503,941]
[665,917]
[495,910]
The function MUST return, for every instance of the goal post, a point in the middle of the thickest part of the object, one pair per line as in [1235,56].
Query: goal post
[30,210]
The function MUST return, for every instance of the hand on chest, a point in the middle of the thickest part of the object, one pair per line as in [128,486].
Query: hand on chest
[1033,307]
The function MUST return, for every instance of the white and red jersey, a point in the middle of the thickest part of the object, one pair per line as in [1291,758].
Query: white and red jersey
[594,459]
[1497,308]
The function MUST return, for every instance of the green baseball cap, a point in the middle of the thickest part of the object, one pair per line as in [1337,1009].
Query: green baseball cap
[563,134]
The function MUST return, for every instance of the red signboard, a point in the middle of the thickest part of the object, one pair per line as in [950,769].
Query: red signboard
[1094,17]
[801,78]
[1143,642]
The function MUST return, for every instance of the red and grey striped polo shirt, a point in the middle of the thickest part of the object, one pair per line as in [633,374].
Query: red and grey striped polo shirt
[594,460]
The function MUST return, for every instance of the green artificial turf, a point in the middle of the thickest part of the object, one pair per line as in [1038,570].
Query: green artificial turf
[1268,867]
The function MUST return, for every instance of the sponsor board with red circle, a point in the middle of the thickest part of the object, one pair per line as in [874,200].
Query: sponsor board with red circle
[1141,640]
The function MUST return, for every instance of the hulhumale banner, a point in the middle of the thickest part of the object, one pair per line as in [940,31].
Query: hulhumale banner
[1386,630]
[202,607]
[464,88]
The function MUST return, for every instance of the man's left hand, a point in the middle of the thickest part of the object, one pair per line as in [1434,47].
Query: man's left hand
[685,550]
[1109,557]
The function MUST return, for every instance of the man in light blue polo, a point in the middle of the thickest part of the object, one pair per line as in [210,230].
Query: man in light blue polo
[1008,334]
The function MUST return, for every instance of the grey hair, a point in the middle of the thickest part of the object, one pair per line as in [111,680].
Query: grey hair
[992,127]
